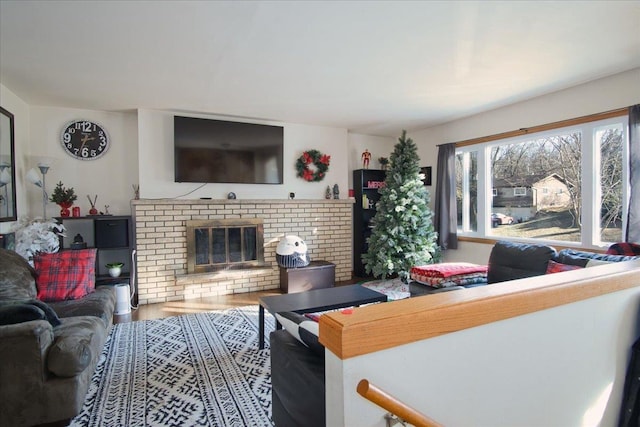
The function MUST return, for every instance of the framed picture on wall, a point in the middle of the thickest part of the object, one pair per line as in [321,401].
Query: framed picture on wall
[426,170]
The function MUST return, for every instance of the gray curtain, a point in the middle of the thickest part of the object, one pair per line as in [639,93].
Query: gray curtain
[446,215]
[633,217]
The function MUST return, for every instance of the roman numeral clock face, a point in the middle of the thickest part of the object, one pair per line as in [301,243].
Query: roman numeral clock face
[84,139]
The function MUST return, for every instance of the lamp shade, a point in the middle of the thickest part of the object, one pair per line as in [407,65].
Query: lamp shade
[5,177]
[34,177]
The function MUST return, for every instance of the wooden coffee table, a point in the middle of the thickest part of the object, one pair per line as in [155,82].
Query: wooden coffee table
[316,300]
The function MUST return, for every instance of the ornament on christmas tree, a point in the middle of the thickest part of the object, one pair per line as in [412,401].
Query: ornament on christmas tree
[403,235]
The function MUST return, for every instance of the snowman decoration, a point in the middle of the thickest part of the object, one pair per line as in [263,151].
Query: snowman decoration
[291,252]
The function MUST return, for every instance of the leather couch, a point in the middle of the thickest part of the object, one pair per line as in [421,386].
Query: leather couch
[510,261]
[48,352]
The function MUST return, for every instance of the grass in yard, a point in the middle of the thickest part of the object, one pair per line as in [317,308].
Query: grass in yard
[551,225]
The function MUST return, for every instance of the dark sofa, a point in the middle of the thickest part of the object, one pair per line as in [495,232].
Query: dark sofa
[48,352]
[297,374]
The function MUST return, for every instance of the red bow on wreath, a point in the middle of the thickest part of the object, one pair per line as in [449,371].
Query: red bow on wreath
[320,162]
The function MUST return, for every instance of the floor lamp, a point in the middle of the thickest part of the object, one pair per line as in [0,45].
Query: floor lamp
[34,178]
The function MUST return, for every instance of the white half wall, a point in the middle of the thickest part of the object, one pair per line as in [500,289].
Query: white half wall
[559,367]
[157,169]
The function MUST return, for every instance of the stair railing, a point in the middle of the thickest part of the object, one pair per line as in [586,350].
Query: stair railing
[399,413]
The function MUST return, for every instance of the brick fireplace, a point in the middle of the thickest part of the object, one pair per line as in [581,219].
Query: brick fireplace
[161,243]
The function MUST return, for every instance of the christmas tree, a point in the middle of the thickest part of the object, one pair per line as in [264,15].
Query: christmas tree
[403,234]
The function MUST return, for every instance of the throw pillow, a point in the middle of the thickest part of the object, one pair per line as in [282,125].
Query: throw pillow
[65,275]
[301,328]
[628,249]
[556,267]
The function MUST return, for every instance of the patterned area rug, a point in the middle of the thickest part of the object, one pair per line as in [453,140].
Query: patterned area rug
[394,289]
[200,369]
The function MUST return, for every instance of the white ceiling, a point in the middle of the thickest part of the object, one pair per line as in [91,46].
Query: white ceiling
[372,67]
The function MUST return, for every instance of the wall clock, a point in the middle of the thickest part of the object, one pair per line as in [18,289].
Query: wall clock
[84,139]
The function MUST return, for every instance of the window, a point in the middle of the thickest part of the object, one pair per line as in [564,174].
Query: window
[610,140]
[467,190]
[569,184]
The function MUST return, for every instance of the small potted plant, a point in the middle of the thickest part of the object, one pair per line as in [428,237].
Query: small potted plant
[63,197]
[115,268]
[384,163]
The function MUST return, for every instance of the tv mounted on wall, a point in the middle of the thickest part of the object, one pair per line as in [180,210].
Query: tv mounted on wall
[218,151]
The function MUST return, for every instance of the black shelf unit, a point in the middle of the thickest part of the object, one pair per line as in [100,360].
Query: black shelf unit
[112,236]
[366,183]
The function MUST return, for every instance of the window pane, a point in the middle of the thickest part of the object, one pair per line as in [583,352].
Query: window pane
[610,213]
[538,184]
[202,246]
[467,190]
[235,245]
[219,246]
[459,190]
[472,209]
[250,243]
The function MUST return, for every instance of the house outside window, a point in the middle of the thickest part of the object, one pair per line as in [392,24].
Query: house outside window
[568,184]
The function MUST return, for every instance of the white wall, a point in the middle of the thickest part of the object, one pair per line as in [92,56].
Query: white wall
[141,152]
[110,176]
[378,146]
[157,174]
[20,110]
[617,91]
[563,366]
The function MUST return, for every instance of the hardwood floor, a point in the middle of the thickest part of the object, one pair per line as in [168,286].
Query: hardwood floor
[176,308]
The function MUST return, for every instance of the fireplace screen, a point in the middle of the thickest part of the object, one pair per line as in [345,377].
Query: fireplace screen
[220,244]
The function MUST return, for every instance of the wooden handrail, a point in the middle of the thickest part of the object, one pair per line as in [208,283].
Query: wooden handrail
[393,405]
[378,327]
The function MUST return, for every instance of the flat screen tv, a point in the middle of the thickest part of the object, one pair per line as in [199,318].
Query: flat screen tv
[218,151]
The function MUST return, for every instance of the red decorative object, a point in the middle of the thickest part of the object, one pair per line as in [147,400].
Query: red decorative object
[75,211]
[93,210]
[320,164]
[64,209]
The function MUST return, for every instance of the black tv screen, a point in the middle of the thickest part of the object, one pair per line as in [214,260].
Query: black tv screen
[218,151]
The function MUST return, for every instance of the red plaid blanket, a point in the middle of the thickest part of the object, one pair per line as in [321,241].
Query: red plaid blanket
[448,269]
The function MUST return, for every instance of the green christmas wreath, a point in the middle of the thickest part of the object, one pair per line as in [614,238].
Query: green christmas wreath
[320,164]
